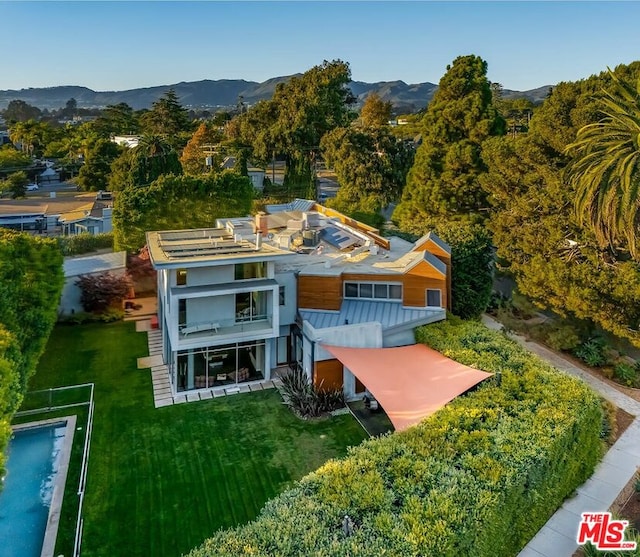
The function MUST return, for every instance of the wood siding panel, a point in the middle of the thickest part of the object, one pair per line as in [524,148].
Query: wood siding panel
[433,248]
[425,269]
[328,374]
[414,290]
[319,292]
[414,287]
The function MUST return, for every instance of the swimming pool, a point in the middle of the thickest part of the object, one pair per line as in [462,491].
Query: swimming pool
[31,498]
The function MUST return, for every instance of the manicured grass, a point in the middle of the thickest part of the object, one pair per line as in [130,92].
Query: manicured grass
[162,480]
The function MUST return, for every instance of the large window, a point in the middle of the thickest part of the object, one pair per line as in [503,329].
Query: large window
[246,271]
[251,306]
[373,291]
[220,365]
[434,298]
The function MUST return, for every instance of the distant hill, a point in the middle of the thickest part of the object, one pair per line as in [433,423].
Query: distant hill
[224,93]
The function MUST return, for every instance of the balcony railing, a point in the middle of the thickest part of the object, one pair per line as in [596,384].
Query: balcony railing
[219,327]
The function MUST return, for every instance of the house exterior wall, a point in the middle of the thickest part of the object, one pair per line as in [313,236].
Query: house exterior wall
[319,292]
[289,310]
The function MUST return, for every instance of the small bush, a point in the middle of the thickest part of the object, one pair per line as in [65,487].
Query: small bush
[301,396]
[103,291]
[562,337]
[593,352]
[627,374]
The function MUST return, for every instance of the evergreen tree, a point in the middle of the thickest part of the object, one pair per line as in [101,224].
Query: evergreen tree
[94,173]
[167,118]
[375,112]
[444,179]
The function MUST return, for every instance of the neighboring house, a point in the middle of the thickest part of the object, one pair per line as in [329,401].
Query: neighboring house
[48,176]
[256,175]
[75,267]
[92,218]
[253,294]
[23,216]
[126,140]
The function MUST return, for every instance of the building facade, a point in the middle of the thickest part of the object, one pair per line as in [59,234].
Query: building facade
[253,295]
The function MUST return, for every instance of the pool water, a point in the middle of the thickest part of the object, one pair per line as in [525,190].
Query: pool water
[33,460]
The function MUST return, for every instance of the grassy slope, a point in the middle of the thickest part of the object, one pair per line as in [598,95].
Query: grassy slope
[161,481]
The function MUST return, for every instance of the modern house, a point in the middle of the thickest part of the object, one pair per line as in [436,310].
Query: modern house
[238,301]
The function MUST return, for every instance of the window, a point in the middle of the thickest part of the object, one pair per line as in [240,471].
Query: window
[373,290]
[282,296]
[434,298]
[350,290]
[181,277]
[245,271]
[182,312]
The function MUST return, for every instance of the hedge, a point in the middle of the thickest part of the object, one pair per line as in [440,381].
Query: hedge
[85,243]
[479,477]
[31,280]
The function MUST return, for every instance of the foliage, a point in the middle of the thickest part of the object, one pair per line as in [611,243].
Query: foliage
[627,374]
[194,154]
[301,111]
[375,112]
[471,267]
[10,158]
[168,119]
[304,399]
[109,315]
[31,135]
[593,352]
[94,173]
[178,202]
[20,111]
[371,166]
[562,336]
[605,169]
[141,165]
[119,119]
[103,290]
[16,183]
[557,262]
[84,243]
[444,179]
[31,282]
[479,477]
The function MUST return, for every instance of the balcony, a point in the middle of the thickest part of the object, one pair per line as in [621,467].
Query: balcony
[225,327]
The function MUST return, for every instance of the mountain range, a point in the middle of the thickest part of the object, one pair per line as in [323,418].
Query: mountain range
[224,93]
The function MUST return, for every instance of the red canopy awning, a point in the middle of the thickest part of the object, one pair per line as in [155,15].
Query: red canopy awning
[410,382]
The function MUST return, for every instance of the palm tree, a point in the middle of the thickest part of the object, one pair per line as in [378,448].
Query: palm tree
[605,169]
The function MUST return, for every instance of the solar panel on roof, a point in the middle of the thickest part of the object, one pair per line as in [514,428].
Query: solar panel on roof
[338,238]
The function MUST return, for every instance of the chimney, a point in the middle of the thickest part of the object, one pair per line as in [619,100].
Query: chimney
[258,240]
[262,223]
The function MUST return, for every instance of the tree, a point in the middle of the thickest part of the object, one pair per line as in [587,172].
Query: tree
[119,119]
[200,146]
[375,112]
[605,169]
[444,179]
[31,135]
[371,166]
[143,164]
[10,158]
[103,291]
[94,173]
[178,202]
[168,119]
[70,108]
[16,183]
[20,111]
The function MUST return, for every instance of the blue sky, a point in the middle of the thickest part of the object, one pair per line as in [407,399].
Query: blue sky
[122,45]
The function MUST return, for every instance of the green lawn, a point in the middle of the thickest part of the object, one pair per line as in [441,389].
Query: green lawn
[162,480]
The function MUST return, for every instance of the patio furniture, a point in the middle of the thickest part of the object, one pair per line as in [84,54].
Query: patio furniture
[199,327]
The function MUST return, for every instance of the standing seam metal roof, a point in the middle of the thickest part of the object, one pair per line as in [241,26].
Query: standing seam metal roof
[388,314]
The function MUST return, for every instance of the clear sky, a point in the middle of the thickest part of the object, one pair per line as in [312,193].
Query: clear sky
[123,45]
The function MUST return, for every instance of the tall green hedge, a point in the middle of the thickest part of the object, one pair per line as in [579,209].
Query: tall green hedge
[479,477]
[31,280]
[85,243]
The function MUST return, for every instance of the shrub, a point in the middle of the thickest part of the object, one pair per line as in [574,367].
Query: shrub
[593,352]
[301,396]
[479,477]
[102,291]
[562,337]
[85,243]
[627,374]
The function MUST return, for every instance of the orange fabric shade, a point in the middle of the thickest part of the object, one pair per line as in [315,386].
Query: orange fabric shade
[410,382]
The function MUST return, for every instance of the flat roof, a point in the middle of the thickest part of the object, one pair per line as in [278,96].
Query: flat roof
[98,263]
[201,246]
